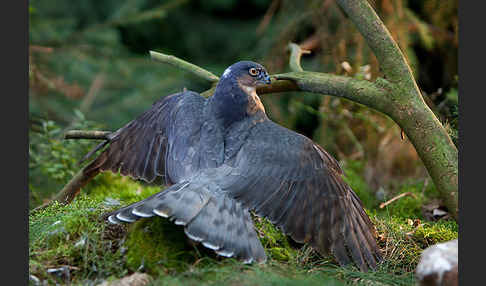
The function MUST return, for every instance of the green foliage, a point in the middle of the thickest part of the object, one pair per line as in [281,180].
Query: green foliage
[77,235]
[452,126]
[452,96]
[53,161]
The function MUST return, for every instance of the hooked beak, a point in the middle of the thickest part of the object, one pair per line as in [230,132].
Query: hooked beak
[265,79]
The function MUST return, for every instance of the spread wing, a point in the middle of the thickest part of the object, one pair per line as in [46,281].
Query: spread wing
[287,178]
[140,148]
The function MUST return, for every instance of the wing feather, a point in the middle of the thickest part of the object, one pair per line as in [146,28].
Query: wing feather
[140,148]
[297,185]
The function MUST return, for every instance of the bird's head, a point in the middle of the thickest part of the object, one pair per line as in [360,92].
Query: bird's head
[247,74]
[235,97]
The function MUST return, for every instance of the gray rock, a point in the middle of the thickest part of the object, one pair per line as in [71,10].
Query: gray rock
[136,279]
[438,265]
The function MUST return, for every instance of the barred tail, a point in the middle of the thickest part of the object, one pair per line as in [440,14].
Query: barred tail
[217,221]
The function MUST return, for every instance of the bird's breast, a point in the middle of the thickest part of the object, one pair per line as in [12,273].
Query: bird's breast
[254,104]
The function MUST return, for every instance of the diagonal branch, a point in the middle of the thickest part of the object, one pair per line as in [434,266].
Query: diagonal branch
[185,66]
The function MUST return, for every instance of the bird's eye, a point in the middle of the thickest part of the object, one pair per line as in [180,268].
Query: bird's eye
[253,72]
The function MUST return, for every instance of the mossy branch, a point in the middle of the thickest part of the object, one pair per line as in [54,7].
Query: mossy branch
[185,66]
[360,91]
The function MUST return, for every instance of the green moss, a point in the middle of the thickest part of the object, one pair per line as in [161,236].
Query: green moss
[158,246]
[73,236]
[402,240]
[124,189]
[432,233]
[411,206]
[230,272]
[274,241]
[57,218]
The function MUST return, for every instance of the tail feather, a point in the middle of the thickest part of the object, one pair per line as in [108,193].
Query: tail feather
[217,221]
[230,242]
[355,249]
[254,243]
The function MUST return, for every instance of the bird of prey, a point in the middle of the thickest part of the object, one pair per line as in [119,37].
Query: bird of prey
[222,157]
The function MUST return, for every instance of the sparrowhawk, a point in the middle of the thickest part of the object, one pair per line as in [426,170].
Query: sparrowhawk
[222,157]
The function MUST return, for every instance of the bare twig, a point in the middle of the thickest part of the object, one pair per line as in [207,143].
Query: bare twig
[382,205]
[360,91]
[295,54]
[87,134]
[278,85]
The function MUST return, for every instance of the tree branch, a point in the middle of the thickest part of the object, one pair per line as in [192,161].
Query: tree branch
[295,54]
[277,85]
[360,91]
[85,134]
[407,107]
[185,66]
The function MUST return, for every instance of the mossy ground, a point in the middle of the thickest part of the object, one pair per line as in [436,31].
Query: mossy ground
[75,240]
